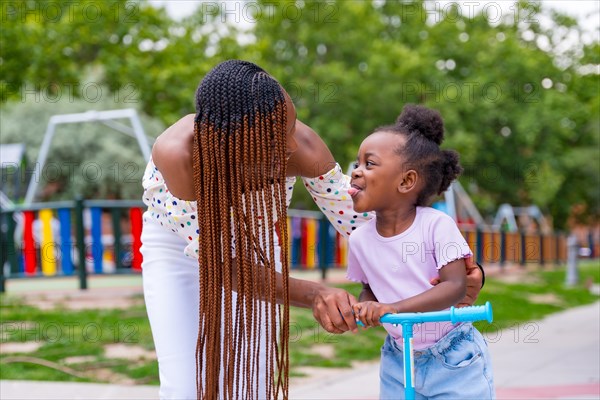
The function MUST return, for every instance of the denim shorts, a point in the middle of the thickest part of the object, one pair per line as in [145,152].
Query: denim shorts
[456,367]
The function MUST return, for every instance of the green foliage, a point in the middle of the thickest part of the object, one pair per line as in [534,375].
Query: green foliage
[514,108]
[519,98]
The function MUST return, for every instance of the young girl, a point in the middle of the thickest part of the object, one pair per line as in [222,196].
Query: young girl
[395,256]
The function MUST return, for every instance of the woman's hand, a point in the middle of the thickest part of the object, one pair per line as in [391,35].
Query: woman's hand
[474,283]
[332,308]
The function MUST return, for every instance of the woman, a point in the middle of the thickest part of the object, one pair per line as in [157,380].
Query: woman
[227,173]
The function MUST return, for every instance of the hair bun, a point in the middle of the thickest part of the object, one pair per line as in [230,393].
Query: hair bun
[426,121]
[451,169]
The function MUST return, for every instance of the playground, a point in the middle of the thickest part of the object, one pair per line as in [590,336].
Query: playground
[47,239]
[88,87]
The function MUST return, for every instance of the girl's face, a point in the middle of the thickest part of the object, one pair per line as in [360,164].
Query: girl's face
[377,173]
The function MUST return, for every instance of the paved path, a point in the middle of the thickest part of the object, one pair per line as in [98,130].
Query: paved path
[555,358]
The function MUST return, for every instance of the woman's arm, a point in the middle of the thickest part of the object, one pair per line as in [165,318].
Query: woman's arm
[329,191]
[324,180]
[332,307]
[475,281]
[312,157]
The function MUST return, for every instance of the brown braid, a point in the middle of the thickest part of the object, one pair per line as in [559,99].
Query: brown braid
[239,174]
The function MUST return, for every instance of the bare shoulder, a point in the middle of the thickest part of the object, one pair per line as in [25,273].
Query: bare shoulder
[175,136]
[172,155]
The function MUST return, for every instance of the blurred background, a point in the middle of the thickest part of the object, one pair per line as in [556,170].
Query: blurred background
[517,83]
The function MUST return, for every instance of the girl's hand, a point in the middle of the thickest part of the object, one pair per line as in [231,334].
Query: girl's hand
[369,312]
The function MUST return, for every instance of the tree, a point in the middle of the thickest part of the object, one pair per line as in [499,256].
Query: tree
[512,103]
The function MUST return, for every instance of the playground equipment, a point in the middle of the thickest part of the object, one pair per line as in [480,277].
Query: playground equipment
[407,320]
[108,118]
[506,219]
[55,240]
[460,206]
[39,237]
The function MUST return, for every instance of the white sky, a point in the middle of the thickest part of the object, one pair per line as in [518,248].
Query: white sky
[586,11]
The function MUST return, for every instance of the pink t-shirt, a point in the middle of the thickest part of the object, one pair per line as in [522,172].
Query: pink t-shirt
[401,266]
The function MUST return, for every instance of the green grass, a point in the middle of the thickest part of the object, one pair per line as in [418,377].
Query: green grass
[515,303]
[66,333]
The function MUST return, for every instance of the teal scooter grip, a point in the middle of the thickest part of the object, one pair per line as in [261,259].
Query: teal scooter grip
[473,313]
[454,315]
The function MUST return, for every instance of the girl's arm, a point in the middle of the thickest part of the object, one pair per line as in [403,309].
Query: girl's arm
[450,290]
[366,294]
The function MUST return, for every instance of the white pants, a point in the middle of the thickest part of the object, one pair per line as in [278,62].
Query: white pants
[171,293]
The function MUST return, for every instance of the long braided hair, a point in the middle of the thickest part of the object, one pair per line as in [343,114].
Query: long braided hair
[239,180]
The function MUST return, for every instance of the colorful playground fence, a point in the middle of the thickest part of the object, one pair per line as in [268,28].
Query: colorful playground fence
[498,247]
[50,239]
